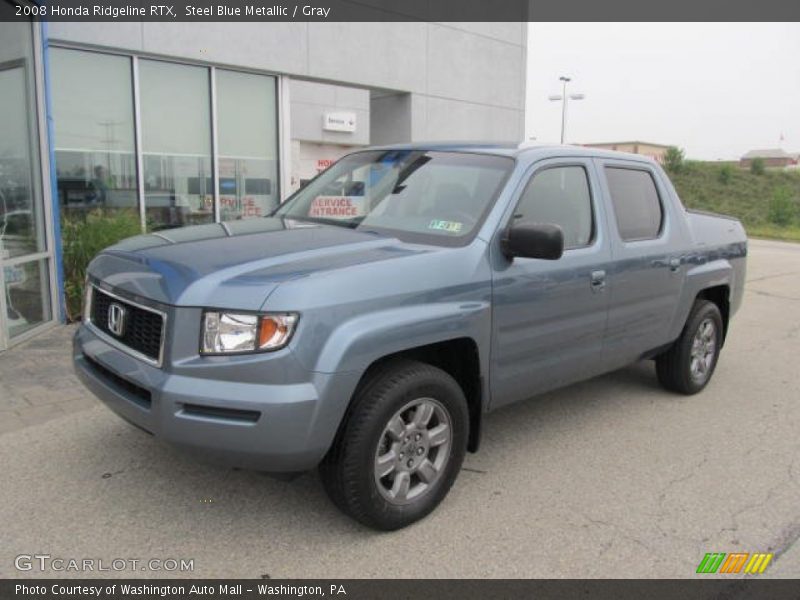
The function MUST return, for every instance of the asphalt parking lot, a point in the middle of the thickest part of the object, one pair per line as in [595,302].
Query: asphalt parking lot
[608,478]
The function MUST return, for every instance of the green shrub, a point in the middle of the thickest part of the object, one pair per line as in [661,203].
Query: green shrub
[757,166]
[725,174]
[83,236]
[674,159]
[781,209]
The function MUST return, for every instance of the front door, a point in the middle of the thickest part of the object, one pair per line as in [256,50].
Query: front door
[25,259]
[549,317]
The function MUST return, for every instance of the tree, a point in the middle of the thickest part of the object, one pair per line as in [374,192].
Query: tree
[674,159]
[725,174]
[757,166]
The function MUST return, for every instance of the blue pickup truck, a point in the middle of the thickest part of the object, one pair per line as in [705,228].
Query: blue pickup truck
[369,323]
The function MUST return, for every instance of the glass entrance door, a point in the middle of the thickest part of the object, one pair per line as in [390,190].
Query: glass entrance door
[25,259]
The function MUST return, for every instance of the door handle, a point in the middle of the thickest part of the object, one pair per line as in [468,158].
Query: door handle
[674,264]
[598,279]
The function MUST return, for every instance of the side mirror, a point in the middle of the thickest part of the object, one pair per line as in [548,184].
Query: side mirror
[533,240]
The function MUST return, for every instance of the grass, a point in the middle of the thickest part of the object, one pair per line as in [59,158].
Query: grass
[773,232]
[743,195]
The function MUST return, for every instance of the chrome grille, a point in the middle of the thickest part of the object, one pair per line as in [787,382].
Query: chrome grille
[142,327]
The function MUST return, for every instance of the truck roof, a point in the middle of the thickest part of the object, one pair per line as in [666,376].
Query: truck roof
[515,149]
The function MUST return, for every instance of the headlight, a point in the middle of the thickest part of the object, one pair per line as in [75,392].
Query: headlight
[231,333]
[86,309]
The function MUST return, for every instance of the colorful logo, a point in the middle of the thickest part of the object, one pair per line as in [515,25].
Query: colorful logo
[754,563]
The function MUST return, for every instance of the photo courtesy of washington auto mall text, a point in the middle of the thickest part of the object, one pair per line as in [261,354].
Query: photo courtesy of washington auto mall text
[446,299]
[177,590]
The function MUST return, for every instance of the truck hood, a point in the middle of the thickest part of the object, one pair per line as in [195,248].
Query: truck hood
[236,264]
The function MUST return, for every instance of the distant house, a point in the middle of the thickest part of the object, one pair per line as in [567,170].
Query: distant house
[654,151]
[772,157]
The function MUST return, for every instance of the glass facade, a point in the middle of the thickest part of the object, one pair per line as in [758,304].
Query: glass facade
[25,299]
[96,100]
[248,144]
[27,289]
[176,144]
[94,132]
[21,228]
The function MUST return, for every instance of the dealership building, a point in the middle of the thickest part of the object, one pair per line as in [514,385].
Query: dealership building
[190,123]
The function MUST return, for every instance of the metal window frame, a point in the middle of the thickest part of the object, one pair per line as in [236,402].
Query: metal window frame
[137,144]
[284,138]
[212,81]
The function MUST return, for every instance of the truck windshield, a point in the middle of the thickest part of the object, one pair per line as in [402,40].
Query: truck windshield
[416,195]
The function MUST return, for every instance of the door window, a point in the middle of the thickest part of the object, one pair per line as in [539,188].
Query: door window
[560,196]
[636,204]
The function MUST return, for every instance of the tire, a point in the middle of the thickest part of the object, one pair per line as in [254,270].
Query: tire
[689,363]
[388,473]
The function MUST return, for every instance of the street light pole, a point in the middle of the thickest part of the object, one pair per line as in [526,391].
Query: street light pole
[564,100]
[566,80]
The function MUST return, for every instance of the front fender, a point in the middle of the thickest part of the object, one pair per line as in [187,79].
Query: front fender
[357,343]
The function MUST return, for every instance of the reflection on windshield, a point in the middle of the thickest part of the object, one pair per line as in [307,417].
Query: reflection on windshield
[419,195]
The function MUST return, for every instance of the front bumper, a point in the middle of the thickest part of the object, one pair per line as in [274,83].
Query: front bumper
[275,427]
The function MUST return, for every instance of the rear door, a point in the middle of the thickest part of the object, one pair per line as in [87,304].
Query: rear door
[646,278]
[549,317]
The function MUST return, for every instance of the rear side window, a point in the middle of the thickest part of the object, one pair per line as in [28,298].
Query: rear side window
[636,204]
[560,195]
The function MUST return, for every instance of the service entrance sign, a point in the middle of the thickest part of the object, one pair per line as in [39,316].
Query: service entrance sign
[339,121]
[337,207]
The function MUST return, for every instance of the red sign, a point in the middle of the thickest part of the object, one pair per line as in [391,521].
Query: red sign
[336,207]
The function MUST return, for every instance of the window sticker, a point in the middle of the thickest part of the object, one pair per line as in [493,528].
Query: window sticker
[449,226]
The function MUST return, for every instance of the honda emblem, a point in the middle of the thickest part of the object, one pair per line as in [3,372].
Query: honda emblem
[116,319]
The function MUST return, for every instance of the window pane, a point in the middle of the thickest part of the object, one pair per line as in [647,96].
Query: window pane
[176,144]
[27,296]
[636,204]
[21,218]
[560,196]
[94,139]
[248,144]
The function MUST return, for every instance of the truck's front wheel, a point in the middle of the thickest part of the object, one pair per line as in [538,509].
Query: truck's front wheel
[401,447]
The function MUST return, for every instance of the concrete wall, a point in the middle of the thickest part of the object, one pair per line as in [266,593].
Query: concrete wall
[463,80]
[309,103]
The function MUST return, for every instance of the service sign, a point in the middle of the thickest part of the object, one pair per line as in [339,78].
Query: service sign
[337,207]
[339,121]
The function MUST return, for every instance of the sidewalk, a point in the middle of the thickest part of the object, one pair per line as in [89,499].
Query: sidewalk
[37,383]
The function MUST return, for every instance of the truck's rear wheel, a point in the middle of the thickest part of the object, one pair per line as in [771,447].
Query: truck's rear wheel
[688,365]
[401,448]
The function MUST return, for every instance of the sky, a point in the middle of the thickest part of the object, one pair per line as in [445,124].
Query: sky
[716,90]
